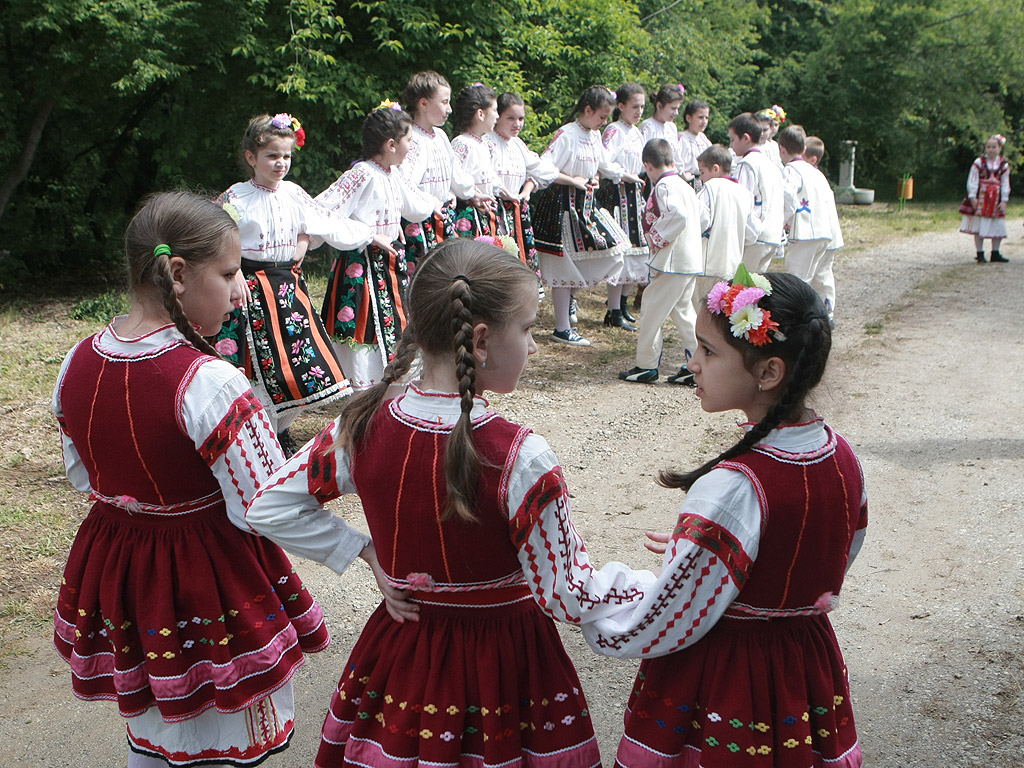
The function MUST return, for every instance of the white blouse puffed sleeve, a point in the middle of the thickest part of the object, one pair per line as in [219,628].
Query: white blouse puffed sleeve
[288,508]
[417,205]
[973,179]
[539,168]
[561,150]
[697,583]
[552,554]
[321,225]
[231,431]
[608,168]
[73,466]
[346,194]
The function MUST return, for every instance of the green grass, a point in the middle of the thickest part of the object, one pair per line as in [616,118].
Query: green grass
[866,226]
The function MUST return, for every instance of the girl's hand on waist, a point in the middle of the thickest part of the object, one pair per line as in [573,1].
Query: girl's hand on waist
[395,600]
[384,244]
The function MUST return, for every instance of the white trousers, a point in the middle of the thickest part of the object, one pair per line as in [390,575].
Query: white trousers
[667,295]
[757,257]
[810,261]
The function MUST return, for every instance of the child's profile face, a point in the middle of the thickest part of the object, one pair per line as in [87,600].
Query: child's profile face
[488,118]
[698,121]
[592,119]
[667,112]
[508,348]
[720,372]
[435,110]
[707,173]
[633,110]
[739,144]
[210,291]
[511,121]
[402,146]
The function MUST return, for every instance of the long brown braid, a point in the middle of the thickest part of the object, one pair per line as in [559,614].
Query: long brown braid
[461,460]
[462,283]
[194,229]
[808,338]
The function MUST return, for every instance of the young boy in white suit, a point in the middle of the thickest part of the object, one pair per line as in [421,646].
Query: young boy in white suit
[810,213]
[673,222]
[764,180]
[733,222]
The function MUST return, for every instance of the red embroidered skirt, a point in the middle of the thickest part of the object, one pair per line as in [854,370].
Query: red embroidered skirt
[465,686]
[750,694]
[183,610]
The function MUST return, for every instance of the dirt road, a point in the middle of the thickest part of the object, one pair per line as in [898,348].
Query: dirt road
[925,382]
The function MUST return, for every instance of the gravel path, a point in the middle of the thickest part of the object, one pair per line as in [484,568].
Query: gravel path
[932,617]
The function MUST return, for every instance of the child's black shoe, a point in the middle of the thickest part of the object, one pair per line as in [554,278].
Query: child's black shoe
[614,319]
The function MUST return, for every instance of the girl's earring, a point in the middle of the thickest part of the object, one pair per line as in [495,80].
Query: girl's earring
[760,387]
[483,364]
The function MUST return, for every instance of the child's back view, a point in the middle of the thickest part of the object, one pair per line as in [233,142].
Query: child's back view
[758,173]
[734,224]
[810,212]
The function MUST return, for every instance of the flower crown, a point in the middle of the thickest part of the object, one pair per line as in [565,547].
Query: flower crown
[388,104]
[739,302]
[502,241]
[780,113]
[284,122]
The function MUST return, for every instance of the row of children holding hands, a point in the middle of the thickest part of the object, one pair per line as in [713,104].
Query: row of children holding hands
[178,603]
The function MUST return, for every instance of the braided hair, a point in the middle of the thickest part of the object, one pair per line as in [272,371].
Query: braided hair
[802,317]
[462,283]
[193,229]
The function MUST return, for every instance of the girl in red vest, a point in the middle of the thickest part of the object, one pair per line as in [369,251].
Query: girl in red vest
[169,604]
[471,514]
[984,208]
[741,665]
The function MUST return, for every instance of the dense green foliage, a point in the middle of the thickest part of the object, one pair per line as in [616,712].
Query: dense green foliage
[105,100]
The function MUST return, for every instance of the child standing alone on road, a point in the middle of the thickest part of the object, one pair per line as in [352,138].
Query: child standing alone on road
[741,664]
[472,515]
[984,208]
[169,604]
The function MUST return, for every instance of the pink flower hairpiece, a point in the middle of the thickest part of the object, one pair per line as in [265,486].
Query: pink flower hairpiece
[502,241]
[477,84]
[738,301]
[283,121]
[1000,138]
[681,88]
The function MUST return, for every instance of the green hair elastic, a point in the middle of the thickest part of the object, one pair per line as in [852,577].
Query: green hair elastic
[162,250]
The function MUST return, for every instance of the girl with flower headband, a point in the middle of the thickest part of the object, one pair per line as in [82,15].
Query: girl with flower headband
[364,308]
[740,663]
[281,344]
[169,604]
[984,208]
[471,513]
[662,124]
[770,120]
[578,243]
[475,114]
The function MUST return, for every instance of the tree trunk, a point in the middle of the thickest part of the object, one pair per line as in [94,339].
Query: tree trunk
[28,153]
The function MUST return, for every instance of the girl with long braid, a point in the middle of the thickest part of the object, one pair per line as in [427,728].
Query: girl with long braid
[741,665]
[470,514]
[169,604]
